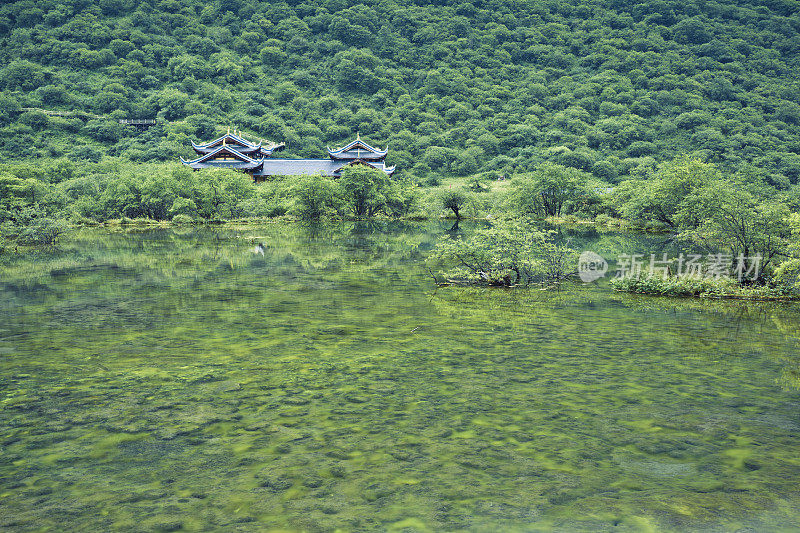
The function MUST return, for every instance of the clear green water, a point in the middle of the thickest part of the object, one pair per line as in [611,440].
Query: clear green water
[173,379]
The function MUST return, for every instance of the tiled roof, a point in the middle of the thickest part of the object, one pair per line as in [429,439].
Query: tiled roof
[357,153]
[209,160]
[255,158]
[311,167]
[358,149]
[229,138]
[240,144]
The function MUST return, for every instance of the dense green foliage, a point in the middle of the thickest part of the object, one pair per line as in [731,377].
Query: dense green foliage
[360,192]
[733,213]
[702,287]
[316,197]
[454,200]
[603,86]
[114,189]
[669,115]
[788,272]
[550,191]
[661,197]
[507,253]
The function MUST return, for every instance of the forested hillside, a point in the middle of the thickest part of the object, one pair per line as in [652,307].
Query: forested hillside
[453,87]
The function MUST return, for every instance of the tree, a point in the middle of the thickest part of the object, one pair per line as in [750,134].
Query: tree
[35,119]
[725,215]
[437,158]
[546,191]
[364,189]
[788,272]
[661,197]
[103,130]
[315,196]
[24,75]
[692,30]
[222,192]
[454,199]
[183,206]
[401,197]
[42,230]
[9,108]
[15,194]
[272,56]
[509,252]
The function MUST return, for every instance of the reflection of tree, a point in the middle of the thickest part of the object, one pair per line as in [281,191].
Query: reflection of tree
[193,254]
[790,373]
[480,304]
[739,321]
[182,263]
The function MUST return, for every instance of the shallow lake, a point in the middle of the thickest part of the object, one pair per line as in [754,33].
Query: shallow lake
[282,377]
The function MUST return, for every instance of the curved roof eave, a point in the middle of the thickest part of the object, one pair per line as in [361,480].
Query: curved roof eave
[226,148]
[358,141]
[369,156]
[236,138]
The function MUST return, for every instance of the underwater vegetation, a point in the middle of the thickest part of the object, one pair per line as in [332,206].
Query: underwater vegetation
[313,378]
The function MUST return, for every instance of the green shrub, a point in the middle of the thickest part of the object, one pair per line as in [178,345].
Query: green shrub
[42,231]
[315,197]
[182,218]
[603,219]
[508,253]
[82,220]
[694,286]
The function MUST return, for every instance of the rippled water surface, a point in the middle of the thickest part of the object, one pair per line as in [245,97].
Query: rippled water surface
[191,379]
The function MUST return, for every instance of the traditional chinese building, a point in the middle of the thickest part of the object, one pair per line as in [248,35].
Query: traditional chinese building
[234,151]
[231,151]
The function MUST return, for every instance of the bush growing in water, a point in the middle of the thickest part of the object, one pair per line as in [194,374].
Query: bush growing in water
[42,231]
[603,219]
[723,287]
[510,252]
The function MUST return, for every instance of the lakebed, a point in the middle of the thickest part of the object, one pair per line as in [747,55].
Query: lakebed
[293,377]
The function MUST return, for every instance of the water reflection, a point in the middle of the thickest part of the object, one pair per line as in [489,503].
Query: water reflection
[176,379]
